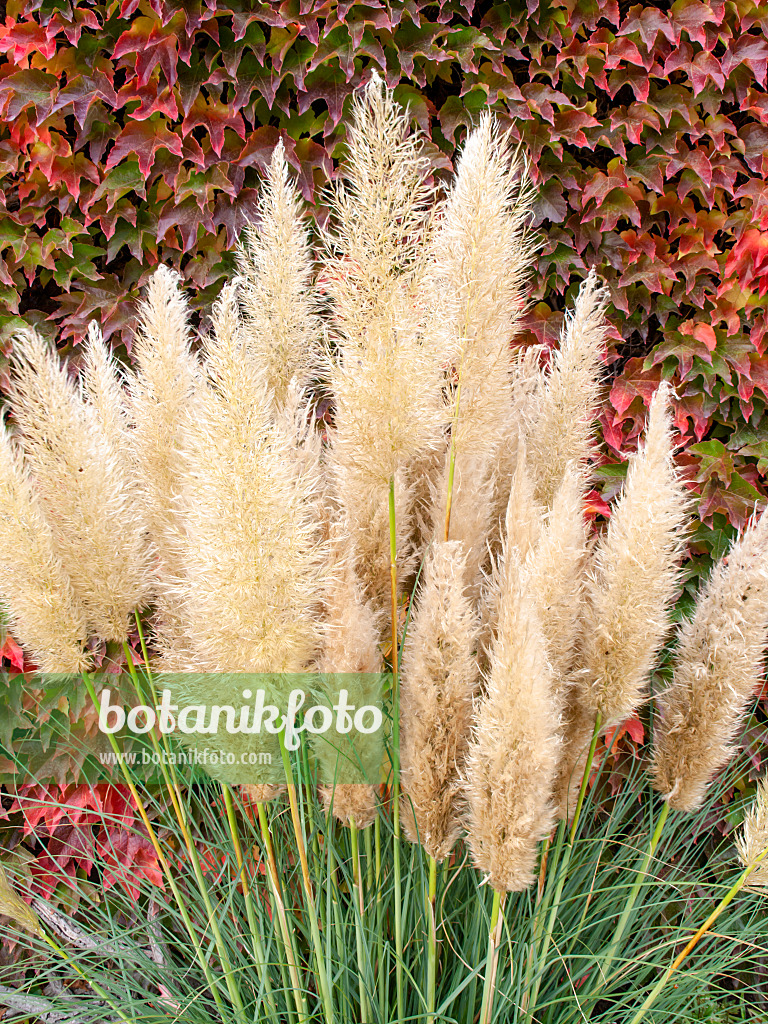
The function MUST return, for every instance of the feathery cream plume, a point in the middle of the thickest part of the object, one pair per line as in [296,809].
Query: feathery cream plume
[482,256]
[45,615]
[350,644]
[634,576]
[438,683]
[526,384]
[555,565]
[752,841]
[563,429]
[252,568]
[523,522]
[80,479]
[262,792]
[160,393]
[717,667]
[103,388]
[281,326]
[630,587]
[13,907]
[386,378]
[513,755]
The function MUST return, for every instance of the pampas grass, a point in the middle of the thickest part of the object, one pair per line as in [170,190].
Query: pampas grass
[634,576]
[270,542]
[717,669]
[76,454]
[563,430]
[439,683]
[252,564]
[280,322]
[513,754]
[752,841]
[160,392]
[44,612]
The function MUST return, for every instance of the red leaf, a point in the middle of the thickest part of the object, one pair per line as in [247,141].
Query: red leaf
[215,117]
[648,21]
[749,50]
[13,653]
[634,382]
[19,40]
[153,44]
[142,139]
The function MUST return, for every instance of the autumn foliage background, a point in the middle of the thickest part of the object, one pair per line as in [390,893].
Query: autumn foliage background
[135,132]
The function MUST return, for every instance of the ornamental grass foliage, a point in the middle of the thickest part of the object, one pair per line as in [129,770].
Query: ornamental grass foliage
[198,506]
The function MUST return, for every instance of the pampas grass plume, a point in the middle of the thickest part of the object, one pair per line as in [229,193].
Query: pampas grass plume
[160,393]
[438,682]
[76,454]
[351,644]
[44,613]
[717,668]
[752,841]
[513,755]
[280,326]
[563,429]
[252,568]
[635,576]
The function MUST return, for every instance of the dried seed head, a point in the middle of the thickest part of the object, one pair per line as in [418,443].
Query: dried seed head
[634,575]
[77,460]
[160,393]
[45,615]
[514,752]
[350,803]
[563,431]
[438,682]
[281,326]
[252,569]
[752,843]
[717,668]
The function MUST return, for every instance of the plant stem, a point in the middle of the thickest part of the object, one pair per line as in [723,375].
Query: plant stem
[171,784]
[325,991]
[452,463]
[396,754]
[93,985]
[621,927]
[191,848]
[563,866]
[286,934]
[380,976]
[258,949]
[432,952]
[491,963]
[721,906]
[538,912]
[585,776]
[357,885]
[203,960]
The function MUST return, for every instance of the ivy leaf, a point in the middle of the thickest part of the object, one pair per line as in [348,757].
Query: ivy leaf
[28,89]
[142,139]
